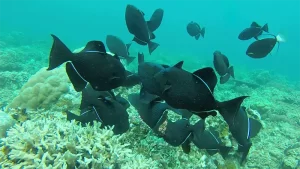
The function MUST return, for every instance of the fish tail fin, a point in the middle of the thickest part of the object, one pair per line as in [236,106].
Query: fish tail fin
[224,151]
[231,106]
[231,71]
[129,59]
[152,46]
[141,58]
[197,36]
[245,150]
[225,78]
[265,28]
[202,32]
[59,53]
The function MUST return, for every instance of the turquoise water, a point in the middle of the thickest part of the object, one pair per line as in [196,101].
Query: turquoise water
[79,21]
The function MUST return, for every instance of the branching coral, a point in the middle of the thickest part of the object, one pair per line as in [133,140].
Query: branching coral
[56,143]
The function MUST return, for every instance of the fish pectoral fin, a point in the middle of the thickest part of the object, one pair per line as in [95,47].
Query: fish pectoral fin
[208,75]
[79,83]
[255,127]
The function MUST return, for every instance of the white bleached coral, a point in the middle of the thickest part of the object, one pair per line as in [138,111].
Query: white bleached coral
[53,143]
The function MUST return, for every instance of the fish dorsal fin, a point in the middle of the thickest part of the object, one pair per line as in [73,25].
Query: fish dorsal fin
[179,65]
[226,60]
[140,58]
[254,24]
[94,46]
[208,76]
[255,127]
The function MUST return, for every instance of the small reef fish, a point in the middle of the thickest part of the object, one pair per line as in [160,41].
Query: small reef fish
[118,47]
[261,48]
[242,129]
[194,30]
[221,64]
[253,31]
[105,107]
[209,140]
[138,27]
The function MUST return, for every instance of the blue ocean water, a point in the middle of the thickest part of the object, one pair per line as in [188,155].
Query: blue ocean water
[77,22]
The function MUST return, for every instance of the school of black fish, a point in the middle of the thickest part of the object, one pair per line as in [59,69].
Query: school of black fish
[164,88]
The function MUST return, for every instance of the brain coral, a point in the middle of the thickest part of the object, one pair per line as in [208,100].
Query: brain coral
[54,143]
[42,89]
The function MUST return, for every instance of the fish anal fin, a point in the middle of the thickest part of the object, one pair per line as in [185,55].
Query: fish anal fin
[255,127]
[76,79]
[186,146]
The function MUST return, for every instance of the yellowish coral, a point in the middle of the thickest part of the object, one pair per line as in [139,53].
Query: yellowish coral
[42,90]
[53,143]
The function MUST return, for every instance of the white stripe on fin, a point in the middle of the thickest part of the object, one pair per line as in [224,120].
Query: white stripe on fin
[97,114]
[85,112]
[214,137]
[203,83]
[93,51]
[248,134]
[78,73]
[186,138]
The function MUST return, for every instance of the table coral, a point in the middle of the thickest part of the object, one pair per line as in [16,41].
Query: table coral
[56,143]
[42,89]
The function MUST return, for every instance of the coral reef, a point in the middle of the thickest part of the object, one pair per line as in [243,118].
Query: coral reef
[6,122]
[47,143]
[42,90]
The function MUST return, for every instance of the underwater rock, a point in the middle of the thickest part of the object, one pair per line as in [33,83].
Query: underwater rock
[289,163]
